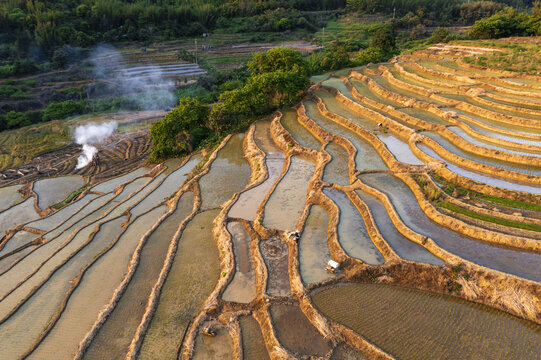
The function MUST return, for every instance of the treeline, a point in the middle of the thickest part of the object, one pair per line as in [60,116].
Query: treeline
[25,25]
[508,22]
[434,12]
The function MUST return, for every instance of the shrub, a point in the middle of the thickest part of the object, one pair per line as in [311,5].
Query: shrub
[16,120]
[61,110]
[370,55]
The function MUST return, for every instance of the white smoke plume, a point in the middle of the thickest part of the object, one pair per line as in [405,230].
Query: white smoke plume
[89,135]
[144,87]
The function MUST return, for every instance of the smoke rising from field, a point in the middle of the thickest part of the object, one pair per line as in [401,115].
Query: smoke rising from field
[89,135]
[143,87]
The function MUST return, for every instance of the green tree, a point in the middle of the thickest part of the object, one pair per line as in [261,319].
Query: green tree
[279,58]
[171,136]
[383,37]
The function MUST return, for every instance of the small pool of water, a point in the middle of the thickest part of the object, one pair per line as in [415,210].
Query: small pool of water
[242,287]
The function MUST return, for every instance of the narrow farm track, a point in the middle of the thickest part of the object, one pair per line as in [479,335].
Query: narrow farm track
[420,178]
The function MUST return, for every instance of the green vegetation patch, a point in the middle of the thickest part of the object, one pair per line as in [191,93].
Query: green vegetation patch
[450,188]
[459,210]
[17,146]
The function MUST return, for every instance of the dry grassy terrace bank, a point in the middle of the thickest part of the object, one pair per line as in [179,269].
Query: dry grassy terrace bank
[420,177]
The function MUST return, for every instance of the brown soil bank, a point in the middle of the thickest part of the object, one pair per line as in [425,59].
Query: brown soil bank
[412,324]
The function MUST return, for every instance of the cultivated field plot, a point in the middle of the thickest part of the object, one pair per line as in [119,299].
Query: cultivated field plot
[394,213]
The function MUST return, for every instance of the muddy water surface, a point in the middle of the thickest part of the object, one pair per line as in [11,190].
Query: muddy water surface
[400,321]
[116,334]
[229,173]
[296,333]
[336,171]
[352,232]
[286,203]
[10,196]
[217,347]
[193,276]
[242,287]
[298,132]
[53,190]
[253,345]
[313,246]
[275,253]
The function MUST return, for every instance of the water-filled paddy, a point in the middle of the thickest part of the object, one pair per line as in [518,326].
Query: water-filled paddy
[53,190]
[168,187]
[400,321]
[242,287]
[10,196]
[352,232]
[116,334]
[286,203]
[229,173]
[526,169]
[110,185]
[73,211]
[367,158]
[253,345]
[365,90]
[24,326]
[520,263]
[95,291]
[404,247]
[18,214]
[298,132]
[400,149]
[296,333]
[490,180]
[313,247]
[472,140]
[336,171]
[191,279]
[217,347]
[21,238]
[248,202]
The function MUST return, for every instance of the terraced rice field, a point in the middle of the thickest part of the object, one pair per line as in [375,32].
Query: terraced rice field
[379,170]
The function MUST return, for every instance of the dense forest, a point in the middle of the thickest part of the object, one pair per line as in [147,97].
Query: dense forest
[37,28]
